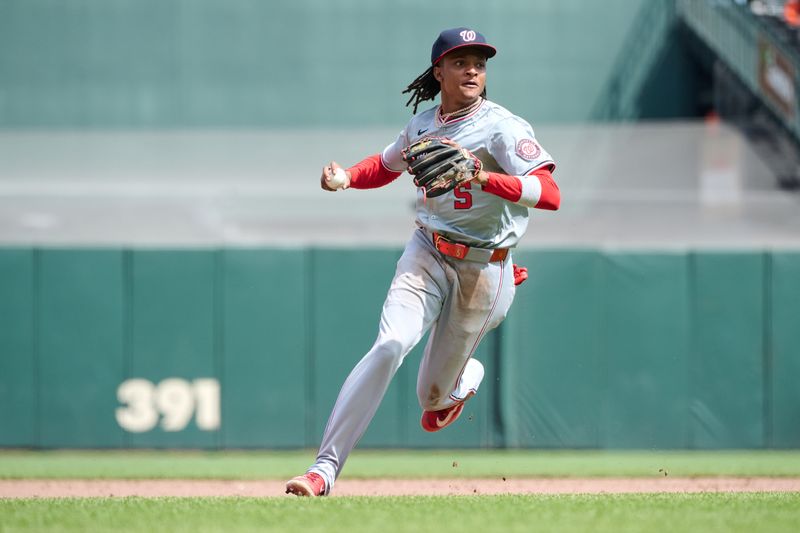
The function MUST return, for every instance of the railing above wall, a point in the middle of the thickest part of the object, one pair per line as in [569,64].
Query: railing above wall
[752,49]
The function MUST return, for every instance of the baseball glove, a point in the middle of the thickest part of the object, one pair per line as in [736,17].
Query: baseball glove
[439,165]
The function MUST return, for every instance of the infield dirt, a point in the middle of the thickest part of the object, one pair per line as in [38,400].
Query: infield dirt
[42,488]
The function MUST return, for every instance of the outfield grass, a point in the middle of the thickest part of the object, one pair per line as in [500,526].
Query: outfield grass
[708,513]
[395,464]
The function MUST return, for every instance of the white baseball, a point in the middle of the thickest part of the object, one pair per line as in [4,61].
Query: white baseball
[338,179]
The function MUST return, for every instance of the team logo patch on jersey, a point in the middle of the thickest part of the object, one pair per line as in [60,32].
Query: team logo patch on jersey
[528,149]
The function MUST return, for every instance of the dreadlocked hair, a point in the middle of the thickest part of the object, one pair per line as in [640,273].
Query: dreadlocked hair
[425,87]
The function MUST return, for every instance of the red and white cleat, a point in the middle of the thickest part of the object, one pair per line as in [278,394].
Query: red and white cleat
[310,484]
[435,420]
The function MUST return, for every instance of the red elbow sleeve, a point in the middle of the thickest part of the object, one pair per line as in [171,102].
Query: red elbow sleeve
[371,173]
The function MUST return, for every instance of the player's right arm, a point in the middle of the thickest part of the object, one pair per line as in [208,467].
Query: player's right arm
[372,172]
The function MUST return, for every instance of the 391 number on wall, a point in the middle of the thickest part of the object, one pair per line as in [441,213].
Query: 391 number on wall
[173,401]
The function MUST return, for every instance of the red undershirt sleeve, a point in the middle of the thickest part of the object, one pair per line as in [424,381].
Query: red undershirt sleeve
[371,173]
[550,197]
[537,189]
[504,186]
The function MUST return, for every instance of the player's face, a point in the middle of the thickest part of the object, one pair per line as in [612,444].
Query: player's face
[462,75]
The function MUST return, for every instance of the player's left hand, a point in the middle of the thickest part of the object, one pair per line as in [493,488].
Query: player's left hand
[440,165]
[480,176]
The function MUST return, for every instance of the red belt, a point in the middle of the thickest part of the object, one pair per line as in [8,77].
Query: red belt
[460,251]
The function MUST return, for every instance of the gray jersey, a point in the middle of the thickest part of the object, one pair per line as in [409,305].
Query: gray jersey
[504,143]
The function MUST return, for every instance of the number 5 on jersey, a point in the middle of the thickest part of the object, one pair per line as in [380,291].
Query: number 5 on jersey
[463,196]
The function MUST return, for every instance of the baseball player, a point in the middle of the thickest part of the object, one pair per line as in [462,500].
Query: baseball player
[455,277]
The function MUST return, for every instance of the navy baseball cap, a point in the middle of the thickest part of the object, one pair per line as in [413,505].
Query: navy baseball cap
[454,38]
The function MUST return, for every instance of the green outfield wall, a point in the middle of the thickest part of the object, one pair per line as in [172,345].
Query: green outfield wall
[278,63]
[247,348]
